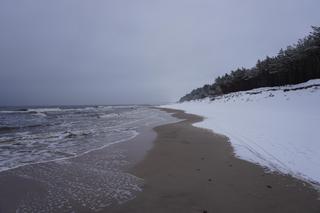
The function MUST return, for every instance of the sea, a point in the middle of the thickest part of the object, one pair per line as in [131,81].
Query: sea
[67,150]
[41,134]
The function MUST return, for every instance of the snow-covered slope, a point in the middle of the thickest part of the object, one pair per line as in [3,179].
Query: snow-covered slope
[276,127]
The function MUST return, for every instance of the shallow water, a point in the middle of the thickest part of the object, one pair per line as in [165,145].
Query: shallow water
[60,149]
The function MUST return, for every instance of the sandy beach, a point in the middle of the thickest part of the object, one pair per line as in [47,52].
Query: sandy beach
[193,170]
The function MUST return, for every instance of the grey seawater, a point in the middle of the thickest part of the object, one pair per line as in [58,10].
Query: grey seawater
[52,146]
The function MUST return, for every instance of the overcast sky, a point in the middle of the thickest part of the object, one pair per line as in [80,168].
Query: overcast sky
[136,51]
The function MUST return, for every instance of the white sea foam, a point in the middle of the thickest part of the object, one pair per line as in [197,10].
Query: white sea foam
[110,115]
[12,111]
[42,110]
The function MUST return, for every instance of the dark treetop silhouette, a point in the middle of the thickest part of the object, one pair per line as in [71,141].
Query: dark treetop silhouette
[298,63]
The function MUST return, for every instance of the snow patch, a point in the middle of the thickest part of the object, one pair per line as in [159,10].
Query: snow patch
[276,127]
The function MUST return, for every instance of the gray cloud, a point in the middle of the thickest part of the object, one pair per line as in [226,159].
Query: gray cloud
[141,51]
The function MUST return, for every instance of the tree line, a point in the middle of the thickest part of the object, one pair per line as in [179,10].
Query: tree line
[296,64]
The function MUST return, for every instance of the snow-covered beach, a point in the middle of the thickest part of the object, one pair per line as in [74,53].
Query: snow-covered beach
[275,127]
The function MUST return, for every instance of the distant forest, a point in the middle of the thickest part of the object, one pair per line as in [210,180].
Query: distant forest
[296,64]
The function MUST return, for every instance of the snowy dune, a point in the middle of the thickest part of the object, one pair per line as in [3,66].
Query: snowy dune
[276,127]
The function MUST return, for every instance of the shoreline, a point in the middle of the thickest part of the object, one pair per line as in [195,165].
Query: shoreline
[89,182]
[190,169]
[76,155]
[173,167]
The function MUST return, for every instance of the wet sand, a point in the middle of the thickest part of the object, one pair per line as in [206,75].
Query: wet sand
[193,170]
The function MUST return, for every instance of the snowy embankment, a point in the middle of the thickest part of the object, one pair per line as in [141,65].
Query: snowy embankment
[276,127]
